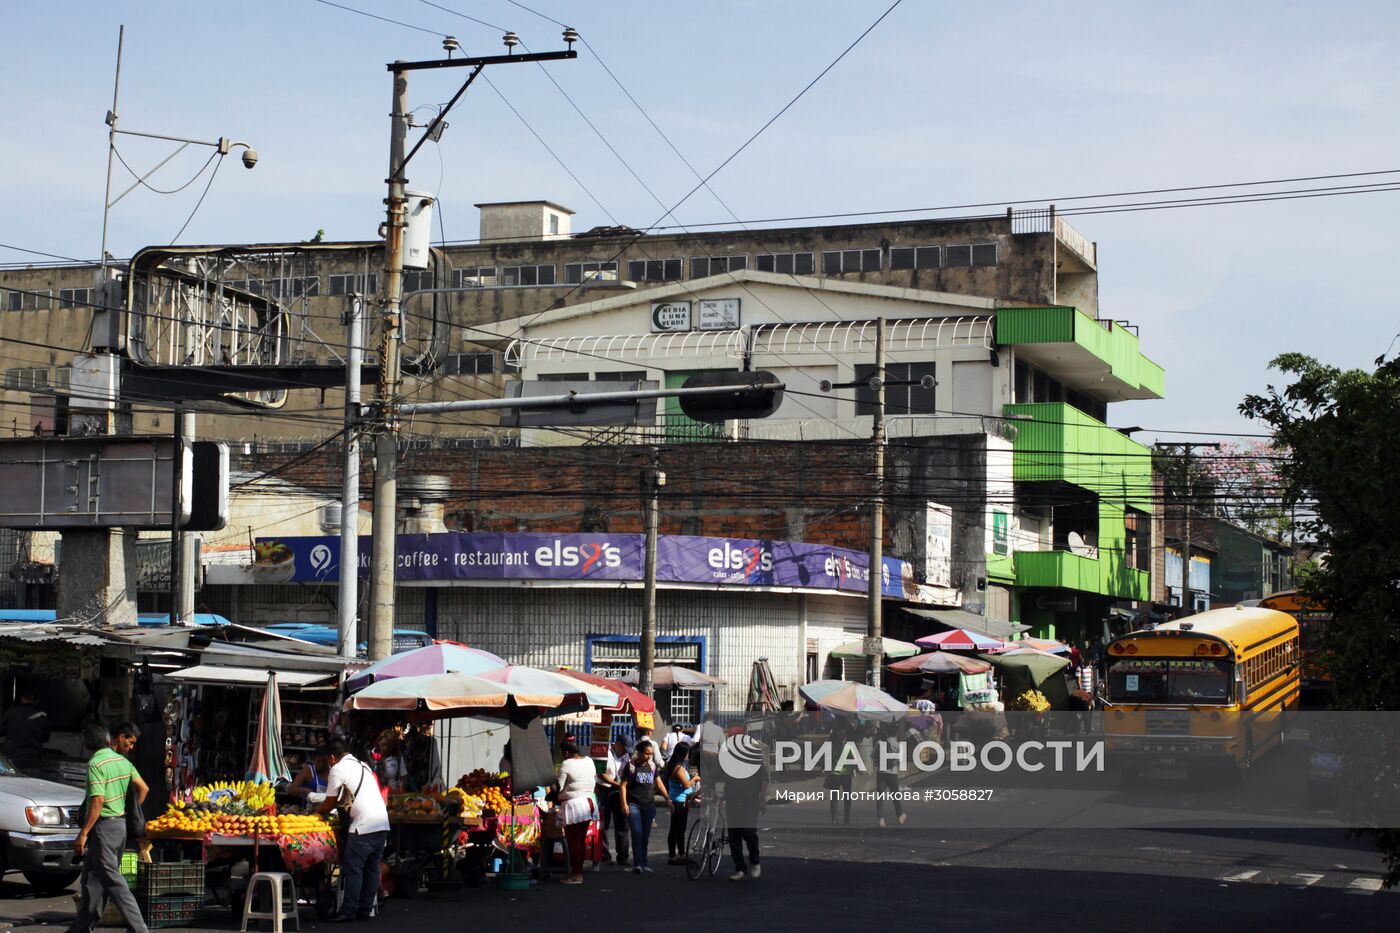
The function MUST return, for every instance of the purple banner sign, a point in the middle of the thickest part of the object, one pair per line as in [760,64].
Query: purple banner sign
[584,557]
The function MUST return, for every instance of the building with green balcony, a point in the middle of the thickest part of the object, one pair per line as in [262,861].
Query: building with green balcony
[1078,539]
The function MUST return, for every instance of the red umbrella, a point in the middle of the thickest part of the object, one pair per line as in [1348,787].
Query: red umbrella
[630,697]
[961,639]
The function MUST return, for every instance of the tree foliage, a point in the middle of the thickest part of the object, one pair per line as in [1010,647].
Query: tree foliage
[1342,428]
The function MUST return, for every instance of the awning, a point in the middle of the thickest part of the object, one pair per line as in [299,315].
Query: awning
[961,618]
[249,676]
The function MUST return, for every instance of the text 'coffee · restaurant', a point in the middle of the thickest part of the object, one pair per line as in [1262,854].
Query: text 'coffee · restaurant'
[576,600]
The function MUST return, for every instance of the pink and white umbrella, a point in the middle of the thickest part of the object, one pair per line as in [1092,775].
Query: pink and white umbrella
[962,639]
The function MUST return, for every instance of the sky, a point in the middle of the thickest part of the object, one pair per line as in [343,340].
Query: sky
[1017,103]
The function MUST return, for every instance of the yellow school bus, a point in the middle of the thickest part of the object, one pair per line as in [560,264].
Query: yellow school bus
[1313,621]
[1210,686]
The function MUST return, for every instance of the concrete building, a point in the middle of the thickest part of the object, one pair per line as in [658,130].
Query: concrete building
[285,302]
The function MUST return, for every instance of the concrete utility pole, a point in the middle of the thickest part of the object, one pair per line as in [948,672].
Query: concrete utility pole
[874,624]
[347,610]
[383,550]
[652,481]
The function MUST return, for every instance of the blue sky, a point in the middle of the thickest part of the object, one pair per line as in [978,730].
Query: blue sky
[943,104]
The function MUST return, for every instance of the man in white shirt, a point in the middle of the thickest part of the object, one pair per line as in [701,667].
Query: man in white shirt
[352,782]
[673,738]
[611,798]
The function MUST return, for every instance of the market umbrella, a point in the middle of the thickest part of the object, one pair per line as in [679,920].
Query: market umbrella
[1041,644]
[961,639]
[674,677]
[845,697]
[437,658]
[438,692]
[531,686]
[889,647]
[939,662]
[1040,665]
[269,765]
[629,698]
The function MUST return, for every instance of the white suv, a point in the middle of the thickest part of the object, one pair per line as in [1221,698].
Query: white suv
[38,823]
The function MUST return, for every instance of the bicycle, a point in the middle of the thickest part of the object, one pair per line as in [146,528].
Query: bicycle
[705,840]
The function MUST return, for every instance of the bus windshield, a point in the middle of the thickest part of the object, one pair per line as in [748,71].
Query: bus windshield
[1186,681]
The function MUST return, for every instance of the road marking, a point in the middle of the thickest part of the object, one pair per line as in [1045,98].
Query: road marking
[1239,875]
[1364,886]
[1305,879]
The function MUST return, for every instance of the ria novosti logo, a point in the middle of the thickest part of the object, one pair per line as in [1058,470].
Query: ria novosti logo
[741,756]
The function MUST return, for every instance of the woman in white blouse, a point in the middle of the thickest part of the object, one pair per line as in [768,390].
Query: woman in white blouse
[577,776]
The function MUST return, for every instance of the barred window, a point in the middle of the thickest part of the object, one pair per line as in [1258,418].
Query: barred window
[789,263]
[841,261]
[525,276]
[474,277]
[655,270]
[701,266]
[576,272]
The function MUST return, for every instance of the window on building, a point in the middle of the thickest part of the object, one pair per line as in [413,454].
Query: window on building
[526,276]
[957,257]
[31,299]
[655,270]
[62,377]
[984,254]
[27,379]
[576,272]
[563,377]
[350,284]
[899,399]
[1022,380]
[74,297]
[621,375]
[789,263]
[915,257]
[418,280]
[469,364]
[554,224]
[701,266]
[842,261]
[474,277]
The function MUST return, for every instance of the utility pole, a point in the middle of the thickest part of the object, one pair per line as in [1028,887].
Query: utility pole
[349,594]
[386,452]
[1186,604]
[874,624]
[652,481]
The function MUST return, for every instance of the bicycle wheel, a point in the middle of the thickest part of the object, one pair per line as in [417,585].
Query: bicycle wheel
[721,836]
[697,848]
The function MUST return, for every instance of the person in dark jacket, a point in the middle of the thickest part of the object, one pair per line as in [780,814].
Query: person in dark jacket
[26,729]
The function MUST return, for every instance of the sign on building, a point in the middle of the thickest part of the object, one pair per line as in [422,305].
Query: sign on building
[719,314]
[670,316]
[938,545]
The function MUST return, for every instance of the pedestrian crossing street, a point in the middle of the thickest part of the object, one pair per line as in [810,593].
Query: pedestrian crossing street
[1300,880]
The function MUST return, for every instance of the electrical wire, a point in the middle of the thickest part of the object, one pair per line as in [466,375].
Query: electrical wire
[143,183]
[202,196]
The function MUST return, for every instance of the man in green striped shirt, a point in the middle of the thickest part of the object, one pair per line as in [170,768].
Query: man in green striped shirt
[102,836]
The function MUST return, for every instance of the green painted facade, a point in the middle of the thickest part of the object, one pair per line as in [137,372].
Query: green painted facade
[1062,444]
[1115,345]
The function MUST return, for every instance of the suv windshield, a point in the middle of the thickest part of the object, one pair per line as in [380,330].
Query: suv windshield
[1187,681]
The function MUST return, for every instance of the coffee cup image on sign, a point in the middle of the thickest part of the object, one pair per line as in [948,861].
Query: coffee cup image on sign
[273,562]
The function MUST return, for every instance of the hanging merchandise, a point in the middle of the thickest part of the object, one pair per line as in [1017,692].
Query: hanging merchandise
[975,690]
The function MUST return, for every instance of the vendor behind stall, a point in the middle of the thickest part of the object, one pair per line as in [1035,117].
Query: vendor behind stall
[26,729]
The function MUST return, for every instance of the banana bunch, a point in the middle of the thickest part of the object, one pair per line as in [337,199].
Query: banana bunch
[252,796]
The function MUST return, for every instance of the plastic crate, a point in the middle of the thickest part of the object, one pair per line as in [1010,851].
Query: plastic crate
[129,863]
[159,878]
[170,910]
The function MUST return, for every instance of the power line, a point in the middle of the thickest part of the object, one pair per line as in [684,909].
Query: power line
[382,19]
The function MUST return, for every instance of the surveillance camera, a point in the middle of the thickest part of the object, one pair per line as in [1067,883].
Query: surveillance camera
[250,158]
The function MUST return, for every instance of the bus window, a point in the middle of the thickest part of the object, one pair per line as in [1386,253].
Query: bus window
[1183,681]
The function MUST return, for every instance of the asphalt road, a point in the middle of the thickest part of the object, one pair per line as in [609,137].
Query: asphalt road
[969,880]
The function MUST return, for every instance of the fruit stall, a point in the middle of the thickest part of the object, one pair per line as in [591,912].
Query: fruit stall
[224,824]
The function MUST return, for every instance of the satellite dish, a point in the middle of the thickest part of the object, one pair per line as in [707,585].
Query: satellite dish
[1077,545]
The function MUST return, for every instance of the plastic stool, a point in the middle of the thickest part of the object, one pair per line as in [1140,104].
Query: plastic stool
[281,908]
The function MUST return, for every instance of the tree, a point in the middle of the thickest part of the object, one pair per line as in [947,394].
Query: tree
[1341,428]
